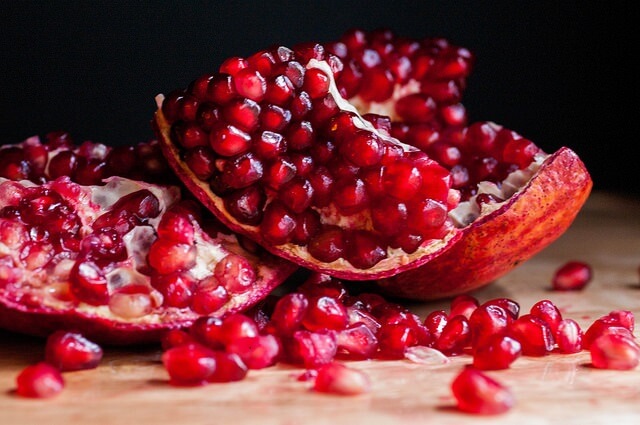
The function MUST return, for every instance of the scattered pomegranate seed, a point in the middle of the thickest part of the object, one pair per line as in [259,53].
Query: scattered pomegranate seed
[189,365]
[40,380]
[572,276]
[611,351]
[478,393]
[339,379]
[70,351]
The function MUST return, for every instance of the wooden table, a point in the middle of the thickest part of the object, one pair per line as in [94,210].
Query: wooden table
[130,386]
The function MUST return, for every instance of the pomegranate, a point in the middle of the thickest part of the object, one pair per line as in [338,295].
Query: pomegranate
[40,380]
[354,158]
[120,261]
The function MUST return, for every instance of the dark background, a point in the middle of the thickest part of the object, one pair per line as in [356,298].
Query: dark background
[559,73]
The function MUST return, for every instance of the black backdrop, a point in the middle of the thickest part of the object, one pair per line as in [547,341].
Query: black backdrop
[559,73]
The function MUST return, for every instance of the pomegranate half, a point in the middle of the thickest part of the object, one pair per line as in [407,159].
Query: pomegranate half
[354,158]
[121,261]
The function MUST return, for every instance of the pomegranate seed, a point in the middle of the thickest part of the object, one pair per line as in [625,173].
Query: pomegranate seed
[463,305]
[40,380]
[256,352]
[311,349]
[174,338]
[487,321]
[477,393]
[208,331]
[568,336]
[70,351]
[358,341]
[610,351]
[250,84]
[572,276]
[166,256]
[496,352]
[604,325]
[189,365]
[435,322]
[394,339]
[288,313]
[455,336]
[534,335]
[337,378]
[236,326]
[88,283]
[548,312]
[229,368]
[325,313]
[234,273]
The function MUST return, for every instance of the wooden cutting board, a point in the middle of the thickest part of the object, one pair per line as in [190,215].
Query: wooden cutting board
[130,386]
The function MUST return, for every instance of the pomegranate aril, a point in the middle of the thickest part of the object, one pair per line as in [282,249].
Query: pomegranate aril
[455,337]
[325,313]
[69,351]
[310,349]
[237,326]
[176,288]
[364,250]
[337,378]
[572,276]
[288,313]
[250,84]
[209,297]
[487,321]
[533,334]
[168,256]
[189,365]
[229,368]
[477,393]
[88,283]
[496,352]
[568,336]
[174,338]
[548,312]
[40,380]
[394,339]
[610,351]
[357,341]
[256,352]
[328,245]
[463,305]
[605,325]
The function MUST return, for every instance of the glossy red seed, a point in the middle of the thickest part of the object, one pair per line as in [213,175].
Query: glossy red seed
[256,352]
[325,313]
[568,336]
[548,312]
[189,365]
[288,313]
[69,351]
[40,380]
[455,337]
[358,341]
[496,352]
[477,393]
[610,351]
[572,276]
[229,368]
[394,339]
[310,349]
[337,378]
[534,335]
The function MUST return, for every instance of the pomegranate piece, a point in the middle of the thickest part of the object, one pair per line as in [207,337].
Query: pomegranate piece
[572,276]
[611,351]
[336,378]
[96,259]
[381,173]
[477,393]
[40,380]
[533,334]
[69,351]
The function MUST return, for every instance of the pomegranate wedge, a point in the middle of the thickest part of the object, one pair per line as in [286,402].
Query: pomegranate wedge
[354,158]
[119,262]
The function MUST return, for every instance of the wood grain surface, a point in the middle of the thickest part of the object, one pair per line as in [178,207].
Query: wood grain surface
[131,387]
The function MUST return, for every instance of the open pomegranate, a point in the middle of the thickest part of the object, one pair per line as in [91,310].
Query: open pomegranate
[121,261]
[355,158]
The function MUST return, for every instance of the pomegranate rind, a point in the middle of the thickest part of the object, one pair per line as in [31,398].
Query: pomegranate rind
[534,217]
[397,261]
[26,307]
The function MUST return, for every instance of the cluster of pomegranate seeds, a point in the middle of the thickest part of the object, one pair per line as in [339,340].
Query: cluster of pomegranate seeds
[87,163]
[273,136]
[572,276]
[65,351]
[320,326]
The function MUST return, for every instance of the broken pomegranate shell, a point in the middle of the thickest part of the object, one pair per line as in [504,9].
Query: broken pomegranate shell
[120,262]
[355,159]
